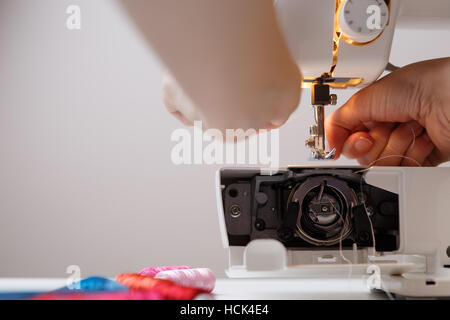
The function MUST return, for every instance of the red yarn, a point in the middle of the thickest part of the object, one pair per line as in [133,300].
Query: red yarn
[168,289]
[117,295]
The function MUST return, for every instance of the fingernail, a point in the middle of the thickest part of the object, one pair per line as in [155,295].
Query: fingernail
[363,144]
[277,122]
[369,125]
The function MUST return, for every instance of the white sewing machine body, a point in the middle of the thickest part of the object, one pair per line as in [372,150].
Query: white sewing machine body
[414,262]
[313,30]
[309,28]
[389,224]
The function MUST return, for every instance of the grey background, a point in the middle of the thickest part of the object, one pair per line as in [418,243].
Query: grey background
[85,170]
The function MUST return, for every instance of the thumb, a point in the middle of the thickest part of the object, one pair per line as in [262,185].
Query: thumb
[387,100]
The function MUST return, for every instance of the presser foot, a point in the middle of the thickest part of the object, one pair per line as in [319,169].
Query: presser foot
[320,97]
[317,154]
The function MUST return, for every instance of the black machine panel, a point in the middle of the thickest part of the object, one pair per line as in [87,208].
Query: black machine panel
[309,208]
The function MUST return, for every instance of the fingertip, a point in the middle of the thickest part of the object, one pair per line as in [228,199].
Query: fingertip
[357,145]
[276,123]
[182,118]
[335,134]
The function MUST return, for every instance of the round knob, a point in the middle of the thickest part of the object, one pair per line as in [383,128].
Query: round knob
[261,198]
[363,20]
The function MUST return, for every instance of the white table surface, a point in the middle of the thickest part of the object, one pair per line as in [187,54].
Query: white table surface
[238,289]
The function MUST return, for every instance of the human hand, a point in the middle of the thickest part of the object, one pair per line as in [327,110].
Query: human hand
[401,120]
[232,66]
[178,103]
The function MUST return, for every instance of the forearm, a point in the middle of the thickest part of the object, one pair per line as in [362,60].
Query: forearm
[228,56]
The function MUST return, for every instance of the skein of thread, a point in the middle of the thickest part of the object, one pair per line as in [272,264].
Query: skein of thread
[200,278]
[112,295]
[93,284]
[167,288]
[153,271]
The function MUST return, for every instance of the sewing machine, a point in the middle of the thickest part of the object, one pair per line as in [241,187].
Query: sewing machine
[342,44]
[388,225]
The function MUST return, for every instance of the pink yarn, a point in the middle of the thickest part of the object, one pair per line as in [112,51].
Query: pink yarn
[199,278]
[153,271]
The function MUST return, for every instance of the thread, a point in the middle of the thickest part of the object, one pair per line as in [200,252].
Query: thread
[345,223]
[363,201]
[112,295]
[200,278]
[153,271]
[393,156]
[93,284]
[341,252]
[166,288]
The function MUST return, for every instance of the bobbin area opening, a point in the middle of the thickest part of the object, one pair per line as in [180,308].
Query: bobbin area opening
[309,208]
